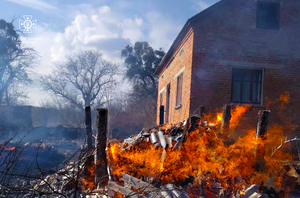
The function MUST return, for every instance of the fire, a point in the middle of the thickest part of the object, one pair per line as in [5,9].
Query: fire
[204,155]
[88,181]
[219,117]
[284,99]
[236,115]
[208,156]
[10,148]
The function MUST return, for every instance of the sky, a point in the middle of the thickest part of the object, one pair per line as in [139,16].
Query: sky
[68,26]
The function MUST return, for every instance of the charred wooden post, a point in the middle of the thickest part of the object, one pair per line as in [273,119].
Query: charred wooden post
[88,128]
[226,119]
[262,123]
[261,136]
[101,174]
[89,163]
[201,111]
[161,114]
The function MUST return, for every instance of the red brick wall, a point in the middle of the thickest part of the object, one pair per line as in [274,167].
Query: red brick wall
[226,37]
[180,61]
[230,34]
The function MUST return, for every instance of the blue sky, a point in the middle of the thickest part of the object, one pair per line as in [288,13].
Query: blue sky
[69,26]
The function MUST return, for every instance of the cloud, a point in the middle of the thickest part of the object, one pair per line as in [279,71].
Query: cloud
[163,30]
[104,29]
[100,28]
[35,4]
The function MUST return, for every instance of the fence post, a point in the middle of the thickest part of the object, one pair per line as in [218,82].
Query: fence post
[201,111]
[88,128]
[262,123]
[261,133]
[226,119]
[161,114]
[101,174]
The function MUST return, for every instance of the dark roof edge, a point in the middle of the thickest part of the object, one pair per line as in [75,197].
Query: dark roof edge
[181,35]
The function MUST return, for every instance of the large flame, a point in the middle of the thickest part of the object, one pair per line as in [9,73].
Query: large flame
[205,155]
[236,115]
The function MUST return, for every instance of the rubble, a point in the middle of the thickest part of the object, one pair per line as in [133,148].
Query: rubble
[144,189]
[194,158]
[195,143]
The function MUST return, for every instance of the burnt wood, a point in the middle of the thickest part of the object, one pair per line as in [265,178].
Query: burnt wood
[88,128]
[226,119]
[262,123]
[261,133]
[101,174]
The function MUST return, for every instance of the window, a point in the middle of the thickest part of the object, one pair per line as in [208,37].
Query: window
[181,52]
[179,90]
[267,15]
[246,86]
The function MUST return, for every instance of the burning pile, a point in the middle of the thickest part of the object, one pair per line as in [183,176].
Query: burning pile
[198,154]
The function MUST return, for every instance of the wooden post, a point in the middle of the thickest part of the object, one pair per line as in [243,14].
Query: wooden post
[201,111]
[161,114]
[226,119]
[101,175]
[88,128]
[261,132]
[262,123]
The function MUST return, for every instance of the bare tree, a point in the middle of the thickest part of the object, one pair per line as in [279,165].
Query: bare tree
[82,80]
[15,61]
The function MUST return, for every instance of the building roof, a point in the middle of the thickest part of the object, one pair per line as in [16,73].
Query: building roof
[183,32]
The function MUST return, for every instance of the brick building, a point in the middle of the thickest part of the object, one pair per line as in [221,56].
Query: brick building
[235,52]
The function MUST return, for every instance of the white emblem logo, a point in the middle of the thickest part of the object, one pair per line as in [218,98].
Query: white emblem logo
[27,24]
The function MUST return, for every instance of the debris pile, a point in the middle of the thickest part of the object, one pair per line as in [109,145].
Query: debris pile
[195,158]
[198,157]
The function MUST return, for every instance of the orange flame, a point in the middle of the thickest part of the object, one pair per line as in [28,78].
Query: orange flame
[219,117]
[203,154]
[236,115]
[89,183]
[284,99]
[10,148]
[207,154]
